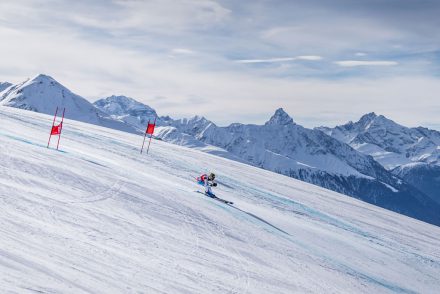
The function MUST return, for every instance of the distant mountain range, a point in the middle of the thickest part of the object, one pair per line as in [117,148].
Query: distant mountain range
[374,159]
[412,154]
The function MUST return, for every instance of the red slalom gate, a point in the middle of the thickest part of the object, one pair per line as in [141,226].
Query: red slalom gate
[56,129]
[149,130]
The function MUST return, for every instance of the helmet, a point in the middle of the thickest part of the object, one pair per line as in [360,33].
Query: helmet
[211,176]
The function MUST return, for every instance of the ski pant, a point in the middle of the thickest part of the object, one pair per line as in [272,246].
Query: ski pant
[207,186]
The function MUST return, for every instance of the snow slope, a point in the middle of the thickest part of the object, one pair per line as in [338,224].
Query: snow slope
[96,217]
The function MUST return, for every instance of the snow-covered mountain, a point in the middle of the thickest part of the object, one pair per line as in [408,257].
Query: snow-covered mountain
[280,118]
[426,177]
[411,153]
[97,217]
[43,94]
[282,146]
[127,110]
[391,144]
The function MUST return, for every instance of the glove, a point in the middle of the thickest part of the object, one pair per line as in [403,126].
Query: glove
[214,184]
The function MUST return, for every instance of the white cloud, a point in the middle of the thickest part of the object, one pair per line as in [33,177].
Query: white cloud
[337,34]
[183,51]
[267,60]
[309,57]
[153,15]
[353,63]
[281,59]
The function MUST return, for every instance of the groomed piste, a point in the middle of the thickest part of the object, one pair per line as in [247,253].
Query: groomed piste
[96,216]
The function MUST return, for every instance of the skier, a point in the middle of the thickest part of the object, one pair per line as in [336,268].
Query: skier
[207,182]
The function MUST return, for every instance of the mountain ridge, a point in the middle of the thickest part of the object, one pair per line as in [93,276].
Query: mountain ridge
[412,154]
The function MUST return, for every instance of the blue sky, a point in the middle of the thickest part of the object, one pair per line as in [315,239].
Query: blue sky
[324,62]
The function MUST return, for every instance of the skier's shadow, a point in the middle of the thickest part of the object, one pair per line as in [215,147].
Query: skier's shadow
[261,220]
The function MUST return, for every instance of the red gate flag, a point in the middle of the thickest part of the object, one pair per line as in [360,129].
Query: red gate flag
[150,128]
[56,130]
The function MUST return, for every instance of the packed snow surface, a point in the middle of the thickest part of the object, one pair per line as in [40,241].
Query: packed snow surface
[98,217]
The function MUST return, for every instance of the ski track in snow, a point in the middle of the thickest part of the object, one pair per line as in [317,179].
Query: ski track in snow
[98,217]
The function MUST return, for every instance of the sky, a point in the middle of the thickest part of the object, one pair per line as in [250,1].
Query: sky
[325,62]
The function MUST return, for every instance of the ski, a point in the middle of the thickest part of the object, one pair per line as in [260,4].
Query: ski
[217,198]
[222,200]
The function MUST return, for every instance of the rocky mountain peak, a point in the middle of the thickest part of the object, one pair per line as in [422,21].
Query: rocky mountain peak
[122,105]
[367,118]
[43,78]
[280,117]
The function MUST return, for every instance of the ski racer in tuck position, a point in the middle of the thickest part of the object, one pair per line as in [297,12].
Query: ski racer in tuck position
[207,181]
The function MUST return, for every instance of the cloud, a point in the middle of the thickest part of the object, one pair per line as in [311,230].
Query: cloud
[353,63]
[153,15]
[281,59]
[309,57]
[337,35]
[268,60]
[183,51]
